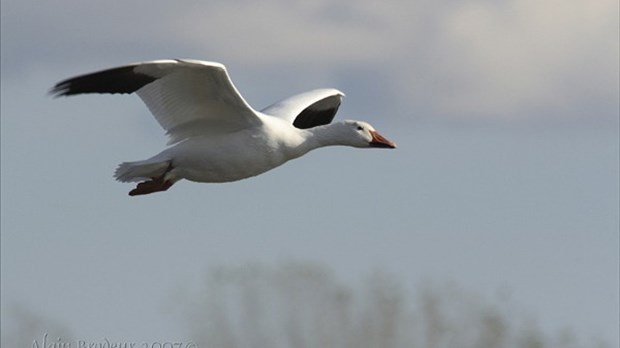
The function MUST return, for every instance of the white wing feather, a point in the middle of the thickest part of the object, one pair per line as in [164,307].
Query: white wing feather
[192,98]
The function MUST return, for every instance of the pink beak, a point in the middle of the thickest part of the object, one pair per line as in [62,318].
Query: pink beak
[379,141]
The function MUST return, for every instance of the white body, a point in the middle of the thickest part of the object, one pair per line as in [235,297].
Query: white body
[224,157]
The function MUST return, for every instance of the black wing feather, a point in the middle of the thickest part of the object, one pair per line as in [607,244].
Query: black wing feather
[116,80]
[313,116]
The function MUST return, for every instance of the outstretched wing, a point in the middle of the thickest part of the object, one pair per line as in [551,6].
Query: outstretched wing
[187,97]
[309,109]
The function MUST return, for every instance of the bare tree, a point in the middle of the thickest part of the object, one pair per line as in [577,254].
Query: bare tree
[301,305]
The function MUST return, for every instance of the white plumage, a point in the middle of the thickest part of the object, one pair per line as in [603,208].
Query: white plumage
[216,136]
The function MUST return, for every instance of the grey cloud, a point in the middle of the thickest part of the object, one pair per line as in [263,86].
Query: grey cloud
[454,60]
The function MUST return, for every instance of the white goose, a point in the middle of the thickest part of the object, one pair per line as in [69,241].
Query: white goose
[217,136]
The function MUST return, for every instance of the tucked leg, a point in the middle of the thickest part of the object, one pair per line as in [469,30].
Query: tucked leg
[156,184]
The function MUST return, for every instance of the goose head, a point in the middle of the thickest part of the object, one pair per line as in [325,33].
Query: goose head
[361,134]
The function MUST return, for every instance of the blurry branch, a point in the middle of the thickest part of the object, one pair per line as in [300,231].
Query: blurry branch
[21,327]
[301,305]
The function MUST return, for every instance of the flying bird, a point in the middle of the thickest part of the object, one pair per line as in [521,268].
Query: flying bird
[214,134]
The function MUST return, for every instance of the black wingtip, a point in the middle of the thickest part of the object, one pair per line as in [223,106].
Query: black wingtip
[116,80]
[311,117]
[59,90]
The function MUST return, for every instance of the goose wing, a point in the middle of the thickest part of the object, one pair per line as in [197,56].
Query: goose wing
[187,97]
[309,109]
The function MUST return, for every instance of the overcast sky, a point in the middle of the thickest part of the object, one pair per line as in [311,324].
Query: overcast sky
[505,178]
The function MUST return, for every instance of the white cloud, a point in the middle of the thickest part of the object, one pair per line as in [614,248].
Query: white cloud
[522,54]
[477,58]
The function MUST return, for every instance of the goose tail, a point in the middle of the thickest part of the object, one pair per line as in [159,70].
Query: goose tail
[141,170]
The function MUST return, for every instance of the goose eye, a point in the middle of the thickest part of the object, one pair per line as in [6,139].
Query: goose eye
[360,128]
